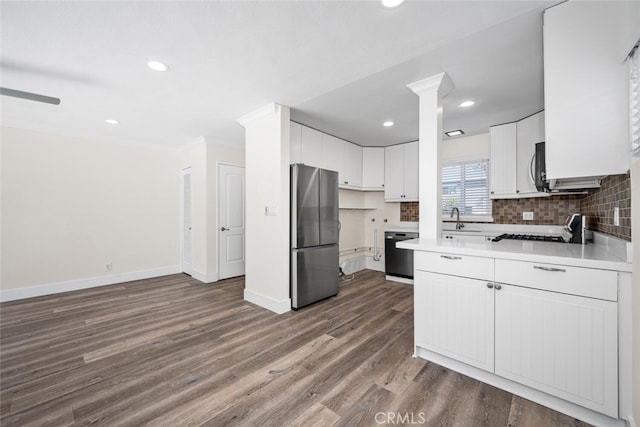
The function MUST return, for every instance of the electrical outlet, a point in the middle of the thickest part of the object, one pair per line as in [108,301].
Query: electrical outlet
[527,216]
[108,267]
[616,216]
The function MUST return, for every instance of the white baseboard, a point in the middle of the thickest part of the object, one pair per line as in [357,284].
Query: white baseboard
[555,403]
[91,282]
[277,306]
[358,263]
[205,278]
[399,279]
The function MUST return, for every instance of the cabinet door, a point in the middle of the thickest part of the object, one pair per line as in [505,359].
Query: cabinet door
[394,173]
[529,132]
[311,144]
[373,168]
[502,162]
[332,154]
[295,149]
[454,317]
[586,89]
[411,165]
[352,165]
[561,344]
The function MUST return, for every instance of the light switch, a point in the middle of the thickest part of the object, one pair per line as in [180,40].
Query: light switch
[616,216]
[271,210]
[527,216]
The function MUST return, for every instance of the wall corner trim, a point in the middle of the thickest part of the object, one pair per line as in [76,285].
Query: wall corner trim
[442,82]
[85,283]
[270,108]
[204,277]
[277,306]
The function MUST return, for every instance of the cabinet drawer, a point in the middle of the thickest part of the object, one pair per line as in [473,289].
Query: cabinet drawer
[455,265]
[587,282]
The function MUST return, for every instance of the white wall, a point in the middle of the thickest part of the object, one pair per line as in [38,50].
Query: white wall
[267,184]
[357,227]
[70,206]
[466,147]
[195,158]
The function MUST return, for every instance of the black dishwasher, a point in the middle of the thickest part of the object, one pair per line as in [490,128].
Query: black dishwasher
[398,262]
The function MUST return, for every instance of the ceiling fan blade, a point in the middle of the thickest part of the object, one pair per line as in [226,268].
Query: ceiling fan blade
[30,96]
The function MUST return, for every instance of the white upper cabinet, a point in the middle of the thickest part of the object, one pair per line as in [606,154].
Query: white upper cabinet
[358,168]
[352,165]
[586,89]
[512,158]
[502,161]
[373,168]
[332,154]
[345,158]
[401,172]
[311,144]
[529,132]
[394,173]
[295,150]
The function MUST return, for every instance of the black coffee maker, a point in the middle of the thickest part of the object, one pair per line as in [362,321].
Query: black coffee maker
[577,224]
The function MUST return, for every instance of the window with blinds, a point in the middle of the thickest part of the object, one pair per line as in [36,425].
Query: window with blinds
[465,185]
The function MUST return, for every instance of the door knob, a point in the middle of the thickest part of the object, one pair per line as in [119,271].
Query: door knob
[223,229]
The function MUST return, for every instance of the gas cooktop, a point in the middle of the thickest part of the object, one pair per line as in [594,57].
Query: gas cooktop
[532,237]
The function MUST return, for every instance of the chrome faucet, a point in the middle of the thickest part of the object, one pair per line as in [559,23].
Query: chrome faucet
[459,225]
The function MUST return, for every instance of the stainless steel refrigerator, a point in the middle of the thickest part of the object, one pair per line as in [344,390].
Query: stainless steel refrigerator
[314,235]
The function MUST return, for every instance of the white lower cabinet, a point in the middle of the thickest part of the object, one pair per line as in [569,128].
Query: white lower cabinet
[454,317]
[561,344]
[564,345]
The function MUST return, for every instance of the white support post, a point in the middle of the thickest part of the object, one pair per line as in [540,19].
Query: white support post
[267,207]
[430,90]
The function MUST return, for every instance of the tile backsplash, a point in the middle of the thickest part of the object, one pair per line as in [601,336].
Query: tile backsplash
[410,211]
[546,210]
[598,205]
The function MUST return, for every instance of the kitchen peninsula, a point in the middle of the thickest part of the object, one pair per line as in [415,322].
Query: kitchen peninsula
[547,321]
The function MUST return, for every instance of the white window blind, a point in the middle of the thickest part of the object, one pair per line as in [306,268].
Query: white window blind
[634,98]
[465,185]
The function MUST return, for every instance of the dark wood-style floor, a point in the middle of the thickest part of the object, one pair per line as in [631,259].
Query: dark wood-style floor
[172,351]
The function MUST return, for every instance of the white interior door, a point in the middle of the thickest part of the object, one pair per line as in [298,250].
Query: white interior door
[231,243]
[186,221]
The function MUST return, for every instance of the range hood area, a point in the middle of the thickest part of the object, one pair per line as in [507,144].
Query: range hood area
[565,185]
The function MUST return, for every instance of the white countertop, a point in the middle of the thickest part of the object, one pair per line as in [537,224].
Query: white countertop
[403,227]
[590,255]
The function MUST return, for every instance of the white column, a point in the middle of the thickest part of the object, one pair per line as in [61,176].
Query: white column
[430,91]
[267,207]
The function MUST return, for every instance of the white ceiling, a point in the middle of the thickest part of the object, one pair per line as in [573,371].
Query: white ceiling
[342,66]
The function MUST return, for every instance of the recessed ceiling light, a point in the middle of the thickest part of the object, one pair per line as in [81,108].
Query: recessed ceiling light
[392,3]
[157,66]
[454,133]
[467,104]
[112,121]
[388,124]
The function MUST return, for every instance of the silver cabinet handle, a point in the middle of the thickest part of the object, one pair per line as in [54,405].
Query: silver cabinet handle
[538,267]
[450,257]
[498,286]
[223,229]
[490,285]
